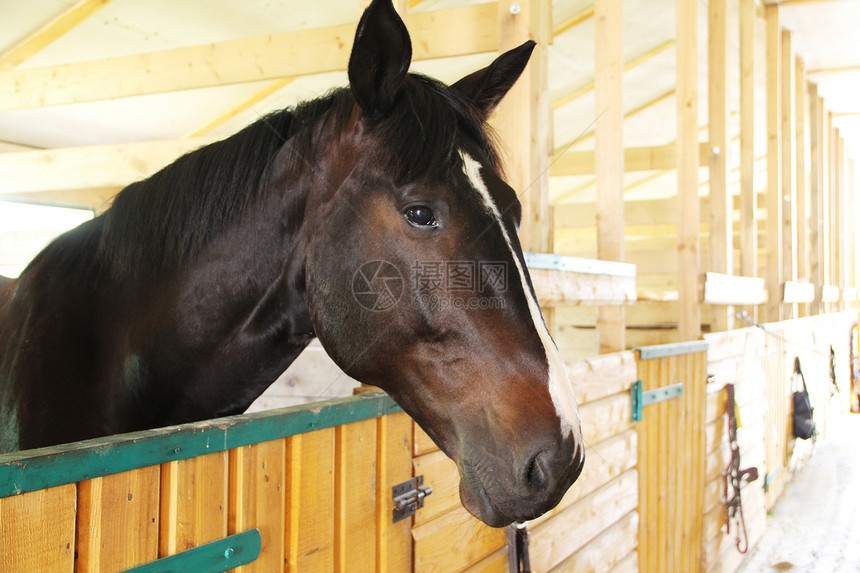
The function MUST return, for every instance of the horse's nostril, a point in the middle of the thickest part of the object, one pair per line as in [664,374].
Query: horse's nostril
[535,474]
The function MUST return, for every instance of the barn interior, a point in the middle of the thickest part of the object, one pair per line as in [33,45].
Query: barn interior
[686,168]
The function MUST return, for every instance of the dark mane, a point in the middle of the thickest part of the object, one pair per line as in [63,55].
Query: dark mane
[168,218]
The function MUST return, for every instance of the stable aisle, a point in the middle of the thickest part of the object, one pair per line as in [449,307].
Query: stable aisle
[815,525]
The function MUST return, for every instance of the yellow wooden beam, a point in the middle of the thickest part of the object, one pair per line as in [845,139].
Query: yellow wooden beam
[50,32]
[575,20]
[247,103]
[686,26]
[89,167]
[627,115]
[635,159]
[628,65]
[438,34]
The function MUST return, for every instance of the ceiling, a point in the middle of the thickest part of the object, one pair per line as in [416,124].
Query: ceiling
[824,35]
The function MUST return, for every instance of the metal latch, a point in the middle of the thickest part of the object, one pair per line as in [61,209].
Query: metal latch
[409,497]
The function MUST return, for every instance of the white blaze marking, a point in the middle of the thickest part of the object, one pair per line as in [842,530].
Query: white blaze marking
[560,389]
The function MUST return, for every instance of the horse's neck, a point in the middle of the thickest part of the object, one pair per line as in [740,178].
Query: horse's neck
[239,310]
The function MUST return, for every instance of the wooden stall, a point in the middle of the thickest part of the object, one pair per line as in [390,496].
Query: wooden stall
[315,481]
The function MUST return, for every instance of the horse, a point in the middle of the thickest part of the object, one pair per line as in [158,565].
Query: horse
[375,218]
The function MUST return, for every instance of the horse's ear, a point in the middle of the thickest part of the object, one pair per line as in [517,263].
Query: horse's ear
[380,58]
[486,88]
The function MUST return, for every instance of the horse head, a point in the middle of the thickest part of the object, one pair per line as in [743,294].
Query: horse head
[416,280]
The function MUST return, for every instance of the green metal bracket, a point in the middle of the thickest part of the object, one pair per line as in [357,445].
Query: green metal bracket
[639,398]
[214,557]
[636,401]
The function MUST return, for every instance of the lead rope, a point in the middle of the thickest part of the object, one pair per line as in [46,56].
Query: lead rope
[735,476]
[518,548]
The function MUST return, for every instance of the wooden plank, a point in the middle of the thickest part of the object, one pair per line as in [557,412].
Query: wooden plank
[523,120]
[435,34]
[50,32]
[89,167]
[117,521]
[801,178]
[787,161]
[748,239]
[393,466]
[798,292]
[440,472]
[562,288]
[605,418]
[422,442]
[555,540]
[720,220]
[38,530]
[355,497]
[603,462]
[454,541]
[606,550]
[686,71]
[193,503]
[257,485]
[649,158]
[31,470]
[774,157]
[725,289]
[609,160]
[628,65]
[815,196]
[602,376]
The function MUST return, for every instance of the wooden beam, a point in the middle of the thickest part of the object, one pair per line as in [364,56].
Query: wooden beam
[49,33]
[787,161]
[98,199]
[89,167]
[721,247]
[575,20]
[629,65]
[438,34]
[774,187]
[609,159]
[651,158]
[686,26]
[718,288]
[523,121]
[802,179]
[244,105]
[628,115]
[835,70]
[748,239]
[815,156]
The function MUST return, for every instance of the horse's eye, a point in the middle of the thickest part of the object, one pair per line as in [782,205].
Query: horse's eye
[420,216]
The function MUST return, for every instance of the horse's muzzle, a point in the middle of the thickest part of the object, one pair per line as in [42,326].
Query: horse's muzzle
[537,484]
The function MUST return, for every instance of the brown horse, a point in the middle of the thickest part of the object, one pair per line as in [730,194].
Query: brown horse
[376,219]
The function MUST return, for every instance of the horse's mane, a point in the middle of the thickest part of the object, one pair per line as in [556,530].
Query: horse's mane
[168,218]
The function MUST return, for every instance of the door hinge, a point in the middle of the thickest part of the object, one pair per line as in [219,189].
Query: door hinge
[640,398]
[409,497]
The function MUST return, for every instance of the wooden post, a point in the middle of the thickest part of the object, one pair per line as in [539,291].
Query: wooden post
[687,154]
[839,215]
[816,268]
[721,200]
[774,273]
[825,178]
[609,159]
[748,231]
[802,179]
[851,212]
[787,144]
[524,118]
